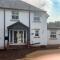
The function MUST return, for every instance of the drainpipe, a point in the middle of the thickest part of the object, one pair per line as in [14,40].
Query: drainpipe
[4,28]
[29,27]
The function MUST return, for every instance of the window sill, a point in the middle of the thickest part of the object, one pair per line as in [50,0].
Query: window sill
[37,21]
[52,38]
[14,20]
[37,37]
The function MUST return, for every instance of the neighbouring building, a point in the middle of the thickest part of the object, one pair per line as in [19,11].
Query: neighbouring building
[22,24]
[54,33]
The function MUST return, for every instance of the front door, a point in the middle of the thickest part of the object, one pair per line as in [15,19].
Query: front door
[19,37]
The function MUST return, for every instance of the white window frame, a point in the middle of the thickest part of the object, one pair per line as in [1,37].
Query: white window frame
[15,14]
[36,17]
[53,35]
[36,33]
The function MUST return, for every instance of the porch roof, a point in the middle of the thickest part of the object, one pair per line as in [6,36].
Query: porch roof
[18,25]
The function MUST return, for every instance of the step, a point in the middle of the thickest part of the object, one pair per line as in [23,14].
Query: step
[16,46]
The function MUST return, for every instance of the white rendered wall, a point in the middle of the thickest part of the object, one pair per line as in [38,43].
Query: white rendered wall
[42,25]
[57,40]
[1,29]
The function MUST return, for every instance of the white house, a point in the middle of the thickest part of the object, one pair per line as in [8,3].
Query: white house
[22,24]
[54,33]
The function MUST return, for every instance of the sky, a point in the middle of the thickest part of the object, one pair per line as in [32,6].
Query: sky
[51,6]
[55,11]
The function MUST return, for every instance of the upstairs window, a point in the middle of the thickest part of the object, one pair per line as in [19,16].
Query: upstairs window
[53,35]
[15,14]
[36,17]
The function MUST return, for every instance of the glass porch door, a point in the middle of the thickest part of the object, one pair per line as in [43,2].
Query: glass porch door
[18,37]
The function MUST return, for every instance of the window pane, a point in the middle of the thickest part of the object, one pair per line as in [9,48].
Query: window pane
[37,33]
[53,35]
[13,17]
[17,17]
[11,37]
[15,36]
[24,36]
[37,18]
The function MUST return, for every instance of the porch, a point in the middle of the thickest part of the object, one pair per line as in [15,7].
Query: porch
[18,34]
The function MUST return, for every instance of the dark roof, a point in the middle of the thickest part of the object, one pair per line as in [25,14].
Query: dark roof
[17,4]
[18,25]
[53,25]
